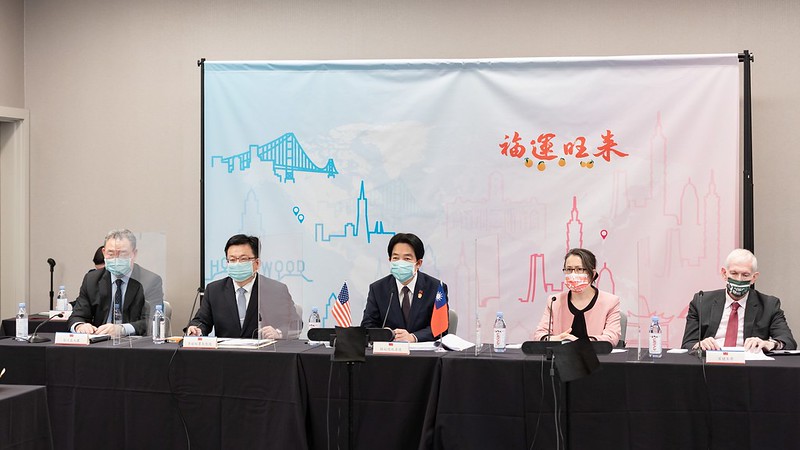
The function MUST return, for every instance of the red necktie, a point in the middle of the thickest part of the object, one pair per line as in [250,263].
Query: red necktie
[733,326]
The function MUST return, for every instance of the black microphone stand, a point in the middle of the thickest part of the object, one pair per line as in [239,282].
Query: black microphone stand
[52,264]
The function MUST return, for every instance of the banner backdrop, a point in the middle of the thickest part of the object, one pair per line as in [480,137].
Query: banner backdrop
[499,166]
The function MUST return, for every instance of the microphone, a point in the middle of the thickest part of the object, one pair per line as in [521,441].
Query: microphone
[699,351]
[550,320]
[34,339]
[200,293]
[387,310]
[52,263]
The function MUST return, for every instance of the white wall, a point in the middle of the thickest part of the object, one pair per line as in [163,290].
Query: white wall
[12,67]
[113,91]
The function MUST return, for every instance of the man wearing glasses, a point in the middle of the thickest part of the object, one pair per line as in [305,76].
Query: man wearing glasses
[231,305]
[118,283]
[737,316]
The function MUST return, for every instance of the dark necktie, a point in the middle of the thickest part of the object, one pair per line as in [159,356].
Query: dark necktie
[406,303]
[117,301]
[733,326]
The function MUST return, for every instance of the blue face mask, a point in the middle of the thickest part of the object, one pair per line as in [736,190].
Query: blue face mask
[402,270]
[240,271]
[119,267]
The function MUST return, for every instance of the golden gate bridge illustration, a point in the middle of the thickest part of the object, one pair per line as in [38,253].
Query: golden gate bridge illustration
[286,154]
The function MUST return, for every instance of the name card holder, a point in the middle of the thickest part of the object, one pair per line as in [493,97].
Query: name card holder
[725,357]
[63,338]
[391,348]
[200,342]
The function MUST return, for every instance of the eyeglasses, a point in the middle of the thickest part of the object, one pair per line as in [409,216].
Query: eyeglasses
[243,259]
[574,270]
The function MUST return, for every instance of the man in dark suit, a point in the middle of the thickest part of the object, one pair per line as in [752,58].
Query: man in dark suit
[404,299]
[737,316]
[234,304]
[113,284]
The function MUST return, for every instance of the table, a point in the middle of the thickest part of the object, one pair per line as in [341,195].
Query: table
[139,396]
[24,418]
[9,327]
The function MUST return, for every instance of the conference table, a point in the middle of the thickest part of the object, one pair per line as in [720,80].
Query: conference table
[290,395]
[9,326]
[24,418]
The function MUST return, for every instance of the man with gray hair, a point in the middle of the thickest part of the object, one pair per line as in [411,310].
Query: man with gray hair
[737,316]
[116,284]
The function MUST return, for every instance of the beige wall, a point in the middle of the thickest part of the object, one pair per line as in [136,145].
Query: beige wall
[12,67]
[113,92]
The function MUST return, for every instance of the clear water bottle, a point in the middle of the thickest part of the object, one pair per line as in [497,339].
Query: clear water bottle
[116,333]
[314,321]
[478,337]
[62,303]
[159,325]
[655,349]
[499,342]
[22,322]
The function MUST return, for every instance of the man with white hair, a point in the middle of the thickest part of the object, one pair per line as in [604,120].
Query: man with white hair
[737,316]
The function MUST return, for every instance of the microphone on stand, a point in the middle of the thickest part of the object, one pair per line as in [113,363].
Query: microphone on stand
[699,351]
[387,310]
[200,294]
[52,263]
[34,339]
[550,320]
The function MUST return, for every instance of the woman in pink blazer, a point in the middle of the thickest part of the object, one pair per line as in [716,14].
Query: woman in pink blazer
[583,311]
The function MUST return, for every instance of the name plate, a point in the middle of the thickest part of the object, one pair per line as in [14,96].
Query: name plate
[390,348]
[71,339]
[54,313]
[199,342]
[725,357]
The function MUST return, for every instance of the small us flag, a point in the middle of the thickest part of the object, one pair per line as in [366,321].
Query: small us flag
[341,309]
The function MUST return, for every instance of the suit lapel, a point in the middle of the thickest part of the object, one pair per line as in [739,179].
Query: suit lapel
[420,294]
[715,316]
[251,315]
[104,298]
[130,295]
[750,312]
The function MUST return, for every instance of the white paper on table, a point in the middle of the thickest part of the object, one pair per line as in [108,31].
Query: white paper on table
[423,346]
[455,343]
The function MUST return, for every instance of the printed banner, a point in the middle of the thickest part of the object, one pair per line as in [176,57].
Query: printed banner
[499,166]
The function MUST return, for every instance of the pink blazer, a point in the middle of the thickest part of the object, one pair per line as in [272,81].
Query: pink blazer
[602,321]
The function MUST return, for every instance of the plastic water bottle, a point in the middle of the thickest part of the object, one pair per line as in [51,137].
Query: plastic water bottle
[478,338]
[22,322]
[62,303]
[655,349]
[314,321]
[159,325]
[499,342]
[116,335]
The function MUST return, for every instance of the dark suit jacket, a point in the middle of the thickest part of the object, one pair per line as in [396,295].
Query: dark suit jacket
[763,318]
[94,302]
[419,318]
[218,309]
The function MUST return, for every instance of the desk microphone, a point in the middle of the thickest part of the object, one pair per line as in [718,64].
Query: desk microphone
[52,263]
[200,293]
[699,351]
[34,339]
[550,320]
[389,306]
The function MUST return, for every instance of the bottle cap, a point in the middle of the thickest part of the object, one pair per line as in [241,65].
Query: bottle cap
[159,307]
[655,318]
[314,309]
[22,304]
[499,313]
[61,288]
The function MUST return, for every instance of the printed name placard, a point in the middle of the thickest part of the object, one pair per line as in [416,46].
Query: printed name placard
[71,339]
[199,342]
[390,348]
[724,357]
